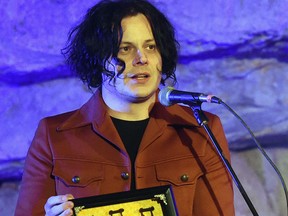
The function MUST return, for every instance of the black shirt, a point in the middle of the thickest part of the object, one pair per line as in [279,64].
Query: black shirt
[131,133]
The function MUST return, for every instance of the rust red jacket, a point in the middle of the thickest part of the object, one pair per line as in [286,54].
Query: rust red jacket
[81,153]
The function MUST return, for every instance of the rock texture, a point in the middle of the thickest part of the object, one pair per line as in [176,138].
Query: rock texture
[236,50]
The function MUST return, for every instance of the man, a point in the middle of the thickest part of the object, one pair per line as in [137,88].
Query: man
[123,139]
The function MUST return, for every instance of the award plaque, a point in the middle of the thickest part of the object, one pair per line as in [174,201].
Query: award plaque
[156,201]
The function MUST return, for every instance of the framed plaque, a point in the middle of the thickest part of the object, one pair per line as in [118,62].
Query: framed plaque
[156,201]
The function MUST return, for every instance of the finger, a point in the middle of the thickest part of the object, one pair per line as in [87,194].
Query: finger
[68,197]
[61,209]
[67,212]
[56,200]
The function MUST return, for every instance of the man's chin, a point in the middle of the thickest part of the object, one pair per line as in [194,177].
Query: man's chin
[140,98]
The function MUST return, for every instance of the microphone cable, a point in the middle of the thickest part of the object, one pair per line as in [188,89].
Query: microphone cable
[260,149]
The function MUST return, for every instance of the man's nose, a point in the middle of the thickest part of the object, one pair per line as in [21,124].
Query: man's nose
[140,58]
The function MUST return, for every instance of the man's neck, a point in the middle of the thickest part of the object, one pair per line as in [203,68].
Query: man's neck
[127,110]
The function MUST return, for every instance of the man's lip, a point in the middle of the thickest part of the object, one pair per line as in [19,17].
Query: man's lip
[138,75]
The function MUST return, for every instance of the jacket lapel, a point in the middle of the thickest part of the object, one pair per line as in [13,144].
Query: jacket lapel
[94,112]
[161,117]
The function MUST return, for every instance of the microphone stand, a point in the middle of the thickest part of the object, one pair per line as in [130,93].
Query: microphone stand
[203,121]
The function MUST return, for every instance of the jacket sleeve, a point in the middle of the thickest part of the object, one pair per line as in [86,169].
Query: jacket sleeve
[214,189]
[37,182]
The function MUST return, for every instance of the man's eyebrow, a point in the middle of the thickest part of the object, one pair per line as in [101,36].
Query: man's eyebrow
[131,43]
[126,42]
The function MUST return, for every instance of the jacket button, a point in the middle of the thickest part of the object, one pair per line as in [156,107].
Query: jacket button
[76,179]
[184,178]
[125,175]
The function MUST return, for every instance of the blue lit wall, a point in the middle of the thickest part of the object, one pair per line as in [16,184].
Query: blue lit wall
[235,49]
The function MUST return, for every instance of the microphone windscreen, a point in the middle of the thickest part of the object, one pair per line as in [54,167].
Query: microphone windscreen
[163,96]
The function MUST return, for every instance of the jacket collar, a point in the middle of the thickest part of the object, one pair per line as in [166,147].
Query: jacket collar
[94,112]
[173,115]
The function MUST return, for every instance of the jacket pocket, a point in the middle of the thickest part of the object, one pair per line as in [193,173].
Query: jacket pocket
[182,175]
[79,177]
[178,172]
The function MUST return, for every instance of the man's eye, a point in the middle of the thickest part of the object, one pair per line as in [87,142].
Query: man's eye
[151,47]
[124,49]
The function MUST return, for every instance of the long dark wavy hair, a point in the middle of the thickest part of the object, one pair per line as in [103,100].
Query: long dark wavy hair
[92,43]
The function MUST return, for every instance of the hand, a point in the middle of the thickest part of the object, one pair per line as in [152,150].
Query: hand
[59,205]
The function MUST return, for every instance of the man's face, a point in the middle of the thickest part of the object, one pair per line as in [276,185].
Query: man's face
[138,50]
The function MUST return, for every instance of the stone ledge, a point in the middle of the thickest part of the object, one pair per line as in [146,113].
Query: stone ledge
[11,171]
[266,141]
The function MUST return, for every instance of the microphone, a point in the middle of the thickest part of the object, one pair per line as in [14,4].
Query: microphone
[169,96]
